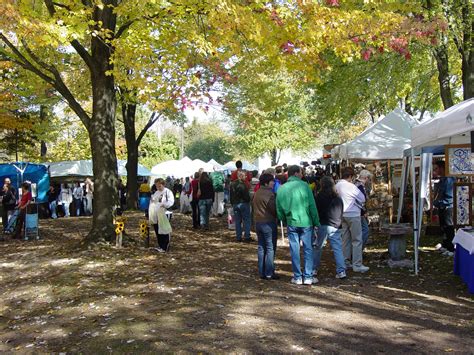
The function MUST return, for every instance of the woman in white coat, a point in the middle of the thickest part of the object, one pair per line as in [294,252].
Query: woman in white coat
[65,198]
[162,199]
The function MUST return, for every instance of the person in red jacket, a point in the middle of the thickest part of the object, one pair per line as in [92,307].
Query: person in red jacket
[22,205]
[233,176]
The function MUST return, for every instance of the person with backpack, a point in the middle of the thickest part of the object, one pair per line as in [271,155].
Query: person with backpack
[240,200]
[218,181]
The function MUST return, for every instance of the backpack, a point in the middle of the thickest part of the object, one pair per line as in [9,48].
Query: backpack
[277,185]
[217,181]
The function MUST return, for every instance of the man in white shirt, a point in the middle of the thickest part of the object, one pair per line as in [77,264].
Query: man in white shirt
[353,200]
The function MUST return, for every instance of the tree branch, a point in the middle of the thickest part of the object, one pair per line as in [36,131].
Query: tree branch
[153,118]
[24,62]
[83,53]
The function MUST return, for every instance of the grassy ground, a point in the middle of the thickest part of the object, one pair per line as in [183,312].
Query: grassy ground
[205,296]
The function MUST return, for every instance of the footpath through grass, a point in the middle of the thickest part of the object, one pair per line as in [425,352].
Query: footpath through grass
[205,296]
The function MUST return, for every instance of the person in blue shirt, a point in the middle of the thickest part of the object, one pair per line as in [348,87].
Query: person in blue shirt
[443,201]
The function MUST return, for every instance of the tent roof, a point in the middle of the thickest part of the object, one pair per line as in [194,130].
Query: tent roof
[448,127]
[180,168]
[385,139]
[83,168]
[230,165]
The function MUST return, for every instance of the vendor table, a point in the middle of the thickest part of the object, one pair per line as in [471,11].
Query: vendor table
[464,256]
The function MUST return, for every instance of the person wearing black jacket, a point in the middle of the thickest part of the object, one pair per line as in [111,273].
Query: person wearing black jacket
[52,201]
[240,200]
[206,199]
[330,208]
[8,201]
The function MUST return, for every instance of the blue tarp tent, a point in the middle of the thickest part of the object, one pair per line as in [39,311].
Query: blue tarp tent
[35,173]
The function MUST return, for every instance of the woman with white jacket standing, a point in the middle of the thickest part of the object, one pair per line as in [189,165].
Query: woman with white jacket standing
[65,198]
[162,199]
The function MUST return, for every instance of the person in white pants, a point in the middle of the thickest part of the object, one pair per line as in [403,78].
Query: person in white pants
[353,200]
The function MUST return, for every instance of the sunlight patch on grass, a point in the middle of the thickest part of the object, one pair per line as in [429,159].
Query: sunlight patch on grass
[64,261]
[429,297]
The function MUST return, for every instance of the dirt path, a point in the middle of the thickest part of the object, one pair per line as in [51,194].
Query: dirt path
[205,296]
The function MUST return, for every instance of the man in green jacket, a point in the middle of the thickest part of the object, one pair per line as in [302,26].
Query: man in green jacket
[296,207]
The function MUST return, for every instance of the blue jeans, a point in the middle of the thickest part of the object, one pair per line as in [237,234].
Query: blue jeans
[77,204]
[335,239]
[267,242]
[365,230]
[242,216]
[295,235]
[204,211]
[52,209]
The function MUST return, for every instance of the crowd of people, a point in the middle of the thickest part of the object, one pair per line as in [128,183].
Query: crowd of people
[66,198]
[14,207]
[312,207]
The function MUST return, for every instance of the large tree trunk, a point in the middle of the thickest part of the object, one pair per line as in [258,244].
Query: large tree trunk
[104,159]
[441,55]
[102,131]
[467,52]
[128,114]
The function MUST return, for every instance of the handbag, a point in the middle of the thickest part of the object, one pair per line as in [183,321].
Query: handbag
[164,225]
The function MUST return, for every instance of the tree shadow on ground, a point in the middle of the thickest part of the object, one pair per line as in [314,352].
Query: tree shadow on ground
[205,296]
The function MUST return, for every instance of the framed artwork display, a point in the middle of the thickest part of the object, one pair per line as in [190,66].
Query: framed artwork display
[463,204]
[459,160]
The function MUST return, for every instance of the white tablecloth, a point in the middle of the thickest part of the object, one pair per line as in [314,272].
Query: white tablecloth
[465,239]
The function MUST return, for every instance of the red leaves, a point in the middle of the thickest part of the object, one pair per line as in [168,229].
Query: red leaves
[333,3]
[275,18]
[288,47]
[366,54]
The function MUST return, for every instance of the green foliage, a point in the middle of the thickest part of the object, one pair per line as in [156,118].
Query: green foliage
[152,151]
[269,111]
[207,141]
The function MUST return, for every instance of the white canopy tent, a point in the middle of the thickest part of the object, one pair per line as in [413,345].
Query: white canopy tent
[452,126]
[216,165]
[385,139]
[83,168]
[245,165]
[180,168]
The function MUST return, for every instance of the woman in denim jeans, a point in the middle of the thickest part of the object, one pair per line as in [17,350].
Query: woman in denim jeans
[330,208]
[264,211]
[206,199]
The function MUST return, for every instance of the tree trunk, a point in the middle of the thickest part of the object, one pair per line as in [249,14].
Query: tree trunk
[128,114]
[467,53]
[102,130]
[441,55]
[275,155]
[104,159]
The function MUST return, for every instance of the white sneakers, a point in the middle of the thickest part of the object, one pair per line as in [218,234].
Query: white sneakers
[361,268]
[341,275]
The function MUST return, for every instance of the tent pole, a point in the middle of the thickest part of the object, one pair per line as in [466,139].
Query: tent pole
[402,188]
[415,231]
[389,175]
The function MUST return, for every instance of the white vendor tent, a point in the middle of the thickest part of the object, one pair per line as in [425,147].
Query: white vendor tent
[180,168]
[83,168]
[199,164]
[245,165]
[452,126]
[386,139]
[216,165]
[448,127]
